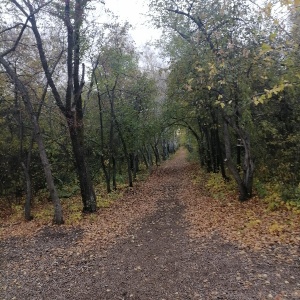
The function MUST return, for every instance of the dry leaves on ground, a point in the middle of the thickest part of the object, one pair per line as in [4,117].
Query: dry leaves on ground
[250,223]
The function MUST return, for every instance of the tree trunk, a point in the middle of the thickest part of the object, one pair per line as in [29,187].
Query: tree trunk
[58,216]
[27,207]
[156,154]
[244,195]
[129,172]
[72,108]
[248,167]
[133,165]
[220,157]
[86,185]
[114,172]
[106,173]
[145,160]
[149,158]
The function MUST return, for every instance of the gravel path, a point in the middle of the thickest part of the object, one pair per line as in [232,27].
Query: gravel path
[154,259]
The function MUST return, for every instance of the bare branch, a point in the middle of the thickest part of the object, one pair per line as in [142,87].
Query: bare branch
[199,24]
[13,48]
[46,86]
[79,92]
[12,27]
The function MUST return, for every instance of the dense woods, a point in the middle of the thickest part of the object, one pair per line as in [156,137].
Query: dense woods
[233,84]
[80,106]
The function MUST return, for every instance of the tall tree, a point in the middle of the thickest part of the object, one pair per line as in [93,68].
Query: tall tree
[58,216]
[71,104]
[218,31]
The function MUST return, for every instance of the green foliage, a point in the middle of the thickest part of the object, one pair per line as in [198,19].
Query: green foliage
[241,68]
[278,195]
[67,191]
[219,189]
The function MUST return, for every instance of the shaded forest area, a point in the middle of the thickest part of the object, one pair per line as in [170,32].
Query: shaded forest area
[83,111]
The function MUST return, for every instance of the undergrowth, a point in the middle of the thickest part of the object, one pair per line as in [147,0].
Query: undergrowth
[274,195]
[42,207]
[266,219]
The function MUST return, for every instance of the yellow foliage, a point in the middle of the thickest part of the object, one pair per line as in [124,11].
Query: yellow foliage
[276,228]
[253,223]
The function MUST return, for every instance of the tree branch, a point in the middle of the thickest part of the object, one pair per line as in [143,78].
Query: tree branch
[13,48]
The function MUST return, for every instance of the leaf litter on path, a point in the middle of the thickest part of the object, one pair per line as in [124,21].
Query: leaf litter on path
[166,239]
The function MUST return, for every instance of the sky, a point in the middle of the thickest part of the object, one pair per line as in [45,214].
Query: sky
[133,11]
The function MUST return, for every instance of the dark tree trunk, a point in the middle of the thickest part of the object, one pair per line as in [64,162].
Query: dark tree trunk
[26,167]
[165,152]
[72,108]
[214,155]
[130,180]
[85,181]
[27,207]
[156,154]
[106,173]
[208,158]
[106,170]
[220,157]
[114,173]
[58,216]
[244,193]
[248,166]
[134,164]
[149,157]
[145,159]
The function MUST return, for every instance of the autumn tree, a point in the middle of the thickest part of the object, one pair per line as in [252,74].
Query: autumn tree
[21,88]
[68,97]
[124,95]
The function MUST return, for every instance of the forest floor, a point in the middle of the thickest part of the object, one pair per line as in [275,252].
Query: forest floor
[165,239]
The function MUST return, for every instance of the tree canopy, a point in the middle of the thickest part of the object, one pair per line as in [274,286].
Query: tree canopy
[81,106]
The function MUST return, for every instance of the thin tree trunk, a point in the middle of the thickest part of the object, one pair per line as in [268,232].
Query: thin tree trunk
[27,206]
[234,171]
[58,216]
[114,173]
[145,159]
[85,181]
[72,108]
[156,154]
[106,174]
[248,167]
[220,157]
[129,172]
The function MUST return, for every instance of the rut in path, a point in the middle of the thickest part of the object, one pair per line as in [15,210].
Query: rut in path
[155,260]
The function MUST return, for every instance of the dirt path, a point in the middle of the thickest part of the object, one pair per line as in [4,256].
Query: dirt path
[154,259]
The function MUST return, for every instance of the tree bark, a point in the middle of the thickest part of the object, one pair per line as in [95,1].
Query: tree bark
[244,194]
[72,109]
[58,215]
[85,181]
[27,206]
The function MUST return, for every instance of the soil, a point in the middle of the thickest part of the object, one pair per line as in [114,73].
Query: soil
[145,247]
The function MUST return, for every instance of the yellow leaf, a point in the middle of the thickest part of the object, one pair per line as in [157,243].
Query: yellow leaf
[209,87]
[222,65]
[285,2]
[273,36]
[268,8]
[265,48]
[256,101]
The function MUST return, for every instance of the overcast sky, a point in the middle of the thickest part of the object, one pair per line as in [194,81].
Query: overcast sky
[133,11]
